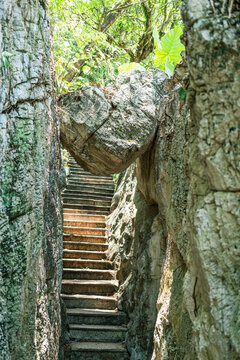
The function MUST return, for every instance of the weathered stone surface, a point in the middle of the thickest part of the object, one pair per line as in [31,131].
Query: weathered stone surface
[213,212]
[64,347]
[30,207]
[105,136]
[132,242]
[173,336]
[191,171]
[174,230]
[150,247]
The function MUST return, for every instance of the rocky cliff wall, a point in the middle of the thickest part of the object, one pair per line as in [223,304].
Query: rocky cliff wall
[190,177]
[149,243]
[130,244]
[30,207]
[213,214]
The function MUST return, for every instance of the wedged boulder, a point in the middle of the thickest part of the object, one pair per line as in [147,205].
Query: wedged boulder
[107,130]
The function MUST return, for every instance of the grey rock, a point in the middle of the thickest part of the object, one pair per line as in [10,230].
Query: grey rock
[149,244]
[30,204]
[213,216]
[105,131]
[191,174]
[129,224]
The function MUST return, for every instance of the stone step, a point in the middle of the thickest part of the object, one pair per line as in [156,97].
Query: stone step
[75,165]
[79,173]
[85,238]
[91,189]
[76,169]
[77,245]
[80,223]
[78,301]
[90,287]
[89,280]
[91,180]
[77,230]
[87,264]
[83,254]
[96,316]
[89,274]
[87,184]
[101,333]
[88,201]
[103,210]
[87,195]
[98,351]
[67,208]
[82,217]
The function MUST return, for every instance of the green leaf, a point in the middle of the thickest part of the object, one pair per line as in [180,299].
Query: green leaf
[170,47]
[6,63]
[6,53]
[169,67]
[130,66]
[5,56]
[86,69]
[182,93]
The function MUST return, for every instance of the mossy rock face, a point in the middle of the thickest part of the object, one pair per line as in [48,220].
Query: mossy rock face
[30,207]
[105,131]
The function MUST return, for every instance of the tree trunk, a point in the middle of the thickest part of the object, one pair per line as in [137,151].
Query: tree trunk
[30,207]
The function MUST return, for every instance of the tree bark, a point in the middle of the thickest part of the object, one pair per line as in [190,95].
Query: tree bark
[30,207]
[146,43]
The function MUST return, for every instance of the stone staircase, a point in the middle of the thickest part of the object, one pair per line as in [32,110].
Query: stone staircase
[97,327]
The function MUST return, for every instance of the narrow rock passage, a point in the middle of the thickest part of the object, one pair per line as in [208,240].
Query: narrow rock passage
[97,328]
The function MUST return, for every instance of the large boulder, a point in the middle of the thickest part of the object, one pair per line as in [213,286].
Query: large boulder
[107,130]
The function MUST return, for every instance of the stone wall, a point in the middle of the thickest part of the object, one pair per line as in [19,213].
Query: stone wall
[30,207]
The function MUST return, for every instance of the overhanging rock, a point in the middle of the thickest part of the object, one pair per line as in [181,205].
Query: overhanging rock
[105,131]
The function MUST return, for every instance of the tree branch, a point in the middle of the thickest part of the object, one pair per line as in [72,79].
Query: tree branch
[112,16]
[121,46]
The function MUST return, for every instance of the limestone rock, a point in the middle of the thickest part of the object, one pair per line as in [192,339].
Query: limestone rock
[30,204]
[130,241]
[149,244]
[106,135]
[190,173]
[213,212]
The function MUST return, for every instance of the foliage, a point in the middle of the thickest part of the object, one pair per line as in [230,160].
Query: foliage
[182,93]
[130,66]
[115,180]
[168,50]
[93,38]
[5,58]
